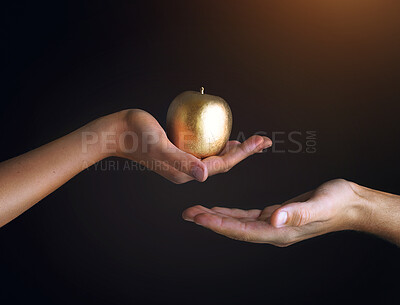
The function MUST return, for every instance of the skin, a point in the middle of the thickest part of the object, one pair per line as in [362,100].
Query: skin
[334,206]
[133,134]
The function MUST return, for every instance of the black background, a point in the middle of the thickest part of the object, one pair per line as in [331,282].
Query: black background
[114,236]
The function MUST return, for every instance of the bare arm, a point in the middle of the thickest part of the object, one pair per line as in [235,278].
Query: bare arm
[132,134]
[30,177]
[381,214]
[334,206]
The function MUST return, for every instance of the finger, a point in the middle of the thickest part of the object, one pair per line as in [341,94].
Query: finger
[190,213]
[165,170]
[236,153]
[267,212]
[237,213]
[172,174]
[255,143]
[228,226]
[229,146]
[233,144]
[280,218]
[183,162]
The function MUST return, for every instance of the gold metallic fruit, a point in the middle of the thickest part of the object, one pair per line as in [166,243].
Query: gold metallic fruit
[199,123]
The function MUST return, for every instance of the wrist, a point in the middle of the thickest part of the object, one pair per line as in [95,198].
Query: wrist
[360,207]
[101,136]
[378,213]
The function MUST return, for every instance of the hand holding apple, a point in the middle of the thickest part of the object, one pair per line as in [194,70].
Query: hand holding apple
[154,150]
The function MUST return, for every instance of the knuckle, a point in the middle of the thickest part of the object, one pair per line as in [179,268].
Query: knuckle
[246,149]
[246,234]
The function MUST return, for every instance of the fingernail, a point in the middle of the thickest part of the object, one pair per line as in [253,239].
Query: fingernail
[268,144]
[281,219]
[264,147]
[197,173]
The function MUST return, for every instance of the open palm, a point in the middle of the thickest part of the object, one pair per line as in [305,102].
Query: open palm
[331,207]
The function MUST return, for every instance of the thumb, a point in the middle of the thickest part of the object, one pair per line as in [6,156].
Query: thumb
[295,214]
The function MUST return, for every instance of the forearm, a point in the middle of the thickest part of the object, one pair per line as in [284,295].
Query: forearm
[28,178]
[380,214]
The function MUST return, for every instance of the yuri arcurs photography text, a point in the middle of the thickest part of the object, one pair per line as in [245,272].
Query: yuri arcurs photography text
[284,142]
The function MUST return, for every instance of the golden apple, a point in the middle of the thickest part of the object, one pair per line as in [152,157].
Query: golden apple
[199,123]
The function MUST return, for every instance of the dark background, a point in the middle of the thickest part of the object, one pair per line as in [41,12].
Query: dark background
[116,237]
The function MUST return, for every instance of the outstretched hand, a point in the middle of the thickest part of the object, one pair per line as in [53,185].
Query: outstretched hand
[331,207]
[155,151]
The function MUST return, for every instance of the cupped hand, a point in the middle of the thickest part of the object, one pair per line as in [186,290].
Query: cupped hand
[142,139]
[333,206]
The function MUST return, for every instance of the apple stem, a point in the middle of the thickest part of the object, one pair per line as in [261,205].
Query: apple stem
[202,90]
